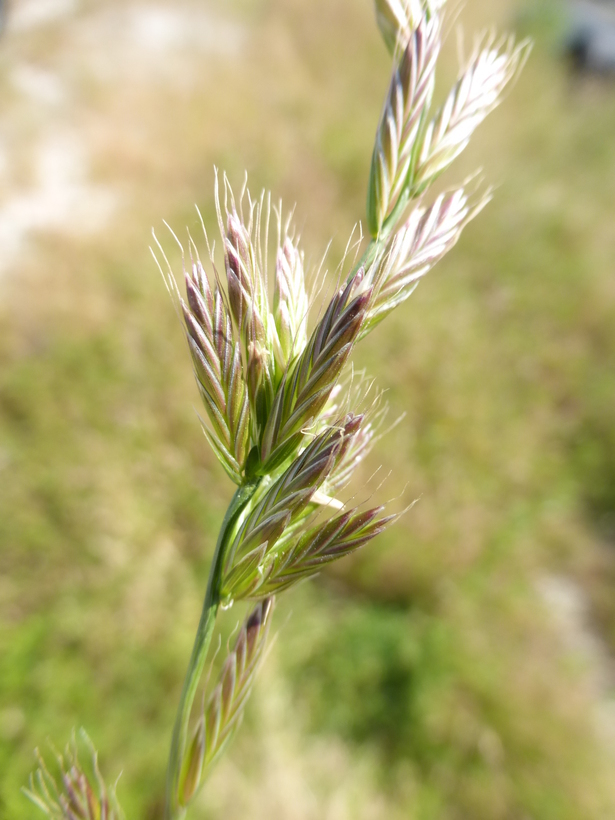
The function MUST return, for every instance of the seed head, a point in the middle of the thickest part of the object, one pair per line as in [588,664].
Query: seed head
[81,794]
[223,710]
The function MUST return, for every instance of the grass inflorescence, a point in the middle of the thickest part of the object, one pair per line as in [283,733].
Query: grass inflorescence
[270,385]
[451,540]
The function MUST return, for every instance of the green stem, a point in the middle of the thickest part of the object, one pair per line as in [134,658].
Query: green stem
[198,658]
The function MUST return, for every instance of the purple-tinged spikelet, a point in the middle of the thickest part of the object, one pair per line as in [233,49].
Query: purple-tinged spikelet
[223,711]
[310,378]
[409,97]
[218,368]
[309,552]
[426,236]
[81,794]
[282,502]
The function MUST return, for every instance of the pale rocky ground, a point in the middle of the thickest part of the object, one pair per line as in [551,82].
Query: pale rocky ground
[569,610]
[47,150]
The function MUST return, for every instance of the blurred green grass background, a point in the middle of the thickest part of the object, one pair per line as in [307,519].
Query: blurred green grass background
[426,678]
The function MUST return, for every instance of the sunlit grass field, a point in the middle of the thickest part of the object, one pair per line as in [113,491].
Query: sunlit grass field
[430,677]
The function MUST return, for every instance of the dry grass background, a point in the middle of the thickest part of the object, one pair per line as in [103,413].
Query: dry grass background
[461,667]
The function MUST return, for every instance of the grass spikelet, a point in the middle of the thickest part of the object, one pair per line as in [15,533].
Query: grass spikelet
[283,501]
[408,99]
[224,709]
[290,302]
[426,236]
[397,19]
[81,793]
[490,69]
[218,369]
[317,547]
[309,380]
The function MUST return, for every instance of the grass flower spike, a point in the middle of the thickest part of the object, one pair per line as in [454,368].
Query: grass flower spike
[81,793]
[284,412]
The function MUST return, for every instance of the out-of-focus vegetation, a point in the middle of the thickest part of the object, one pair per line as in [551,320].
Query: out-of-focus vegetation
[426,678]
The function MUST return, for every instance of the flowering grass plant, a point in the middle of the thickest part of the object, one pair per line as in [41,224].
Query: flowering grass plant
[283,410]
